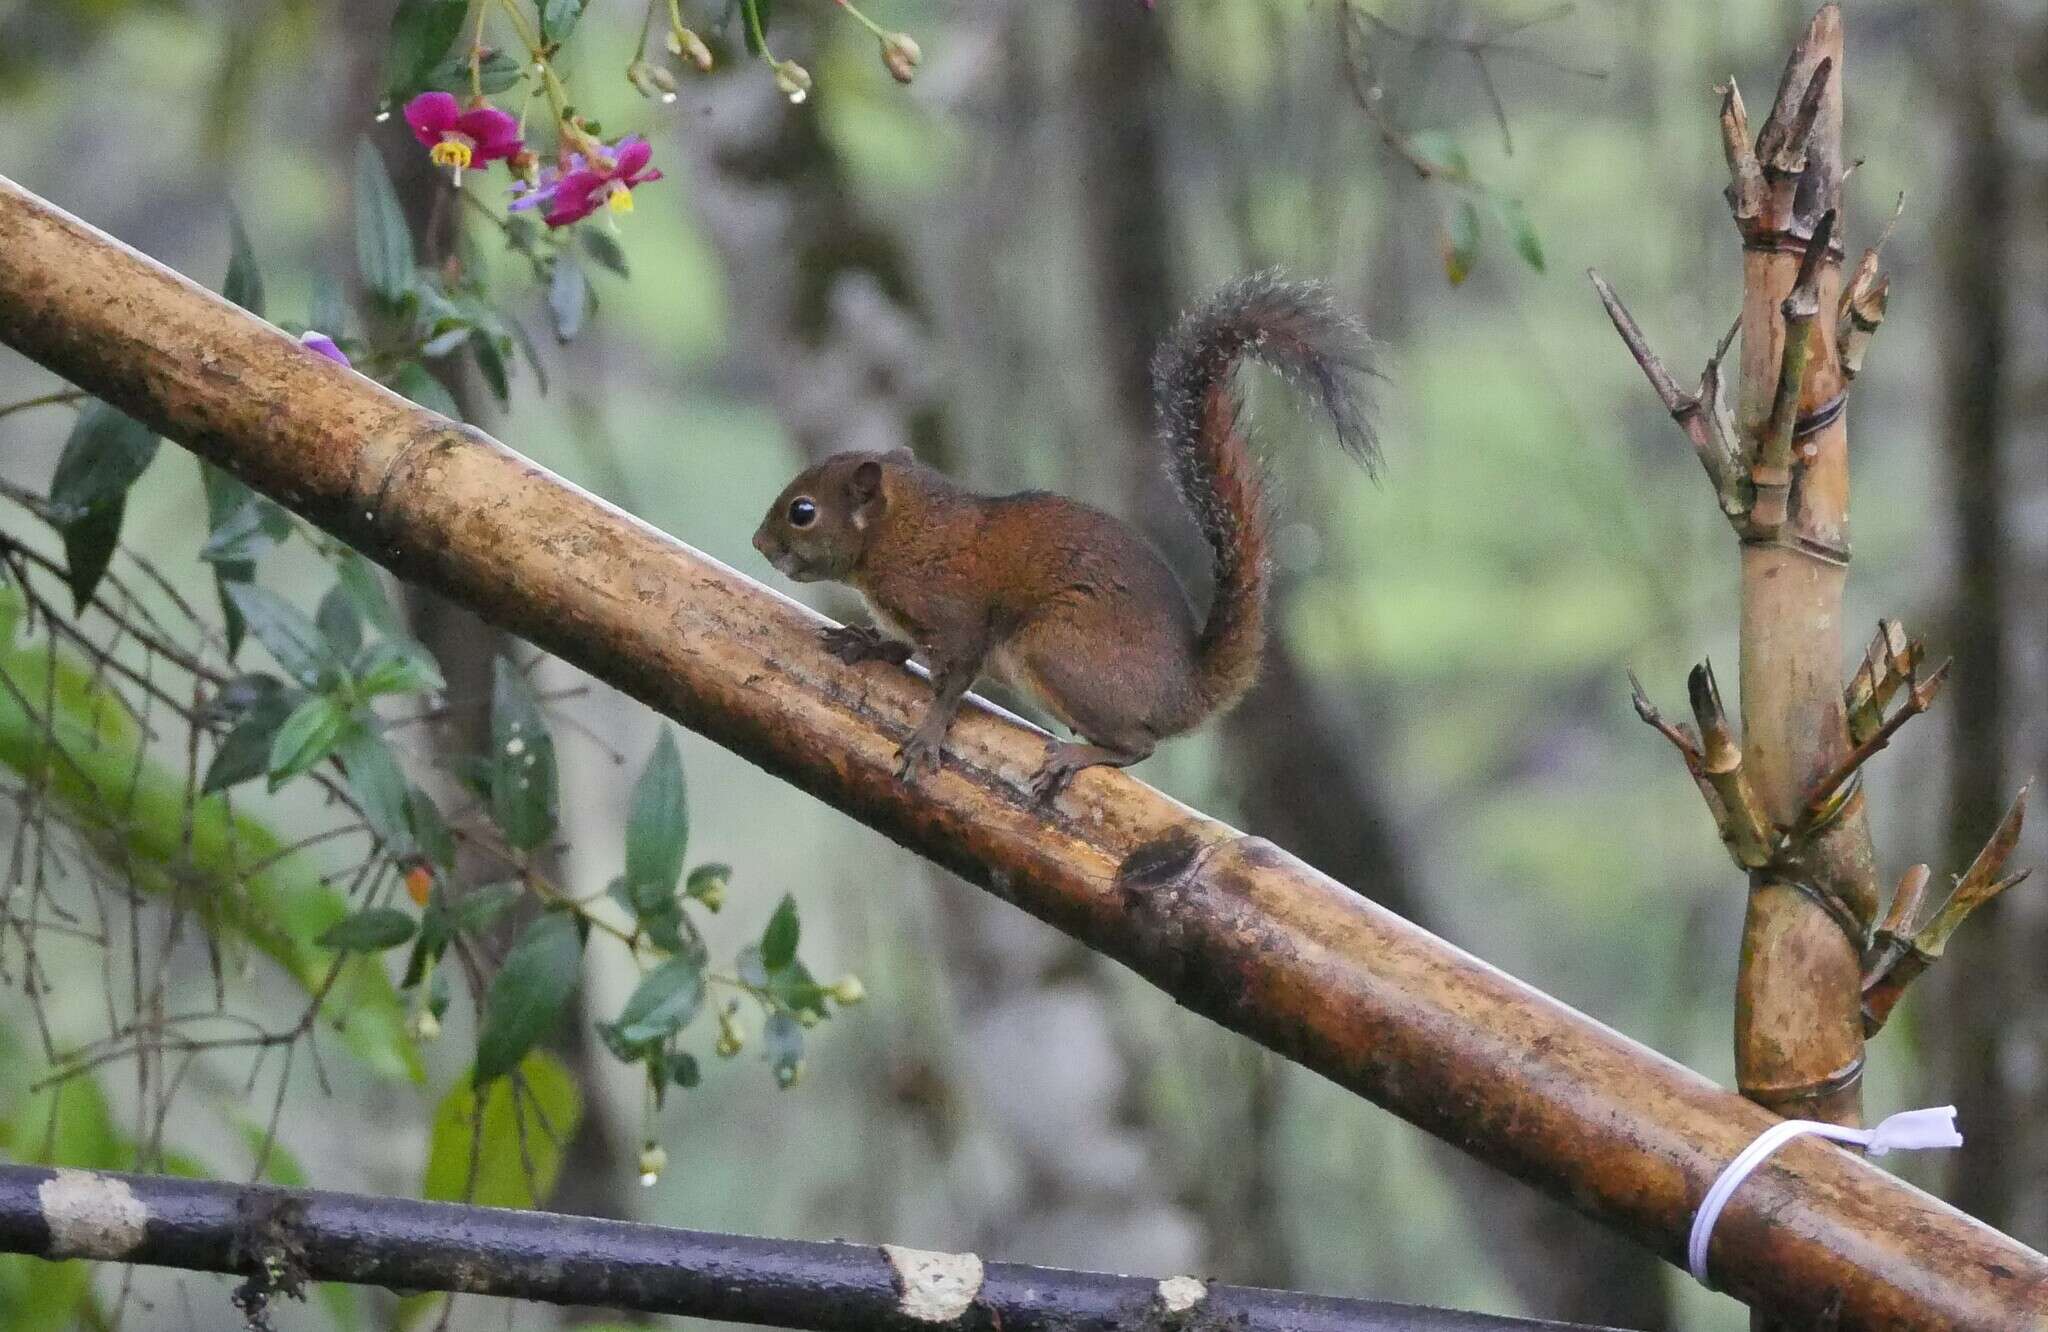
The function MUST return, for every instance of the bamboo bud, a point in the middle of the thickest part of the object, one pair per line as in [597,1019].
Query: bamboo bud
[1746,176]
[1888,662]
[1700,415]
[1749,833]
[1772,470]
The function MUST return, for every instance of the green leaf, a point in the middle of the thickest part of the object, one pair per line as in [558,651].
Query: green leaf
[421,33]
[476,909]
[657,825]
[89,544]
[415,381]
[778,941]
[605,248]
[328,312]
[369,931]
[1521,231]
[495,72]
[366,590]
[558,18]
[1443,152]
[306,737]
[244,282]
[784,1041]
[568,297]
[338,623]
[396,666]
[681,1069]
[106,454]
[522,761]
[490,362]
[247,525]
[245,751]
[294,640]
[383,242]
[1460,242]
[548,1116]
[528,994]
[665,1001]
[796,989]
[230,504]
[430,831]
[378,785]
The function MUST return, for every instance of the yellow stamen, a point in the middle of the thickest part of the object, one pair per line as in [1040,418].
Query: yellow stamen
[621,200]
[451,152]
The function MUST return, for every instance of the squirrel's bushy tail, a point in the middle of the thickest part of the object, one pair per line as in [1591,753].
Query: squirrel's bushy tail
[1293,328]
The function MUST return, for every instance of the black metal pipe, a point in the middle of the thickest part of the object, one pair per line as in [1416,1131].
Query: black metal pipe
[286,1236]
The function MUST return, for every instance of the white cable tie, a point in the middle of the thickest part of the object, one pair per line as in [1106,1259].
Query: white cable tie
[1906,1131]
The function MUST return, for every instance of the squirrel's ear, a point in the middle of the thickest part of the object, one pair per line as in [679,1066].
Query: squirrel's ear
[865,483]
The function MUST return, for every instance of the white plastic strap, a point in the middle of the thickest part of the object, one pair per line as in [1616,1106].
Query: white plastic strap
[1906,1131]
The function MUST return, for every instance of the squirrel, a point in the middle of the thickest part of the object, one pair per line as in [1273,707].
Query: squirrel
[1059,600]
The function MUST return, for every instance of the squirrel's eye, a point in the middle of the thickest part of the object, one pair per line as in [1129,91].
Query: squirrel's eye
[802,512]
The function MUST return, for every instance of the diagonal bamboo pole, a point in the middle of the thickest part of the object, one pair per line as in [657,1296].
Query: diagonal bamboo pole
[1227,924]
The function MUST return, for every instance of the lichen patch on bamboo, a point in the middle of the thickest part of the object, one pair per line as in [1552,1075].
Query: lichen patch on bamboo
[934,1287]
[91,1215]
[1179,1294]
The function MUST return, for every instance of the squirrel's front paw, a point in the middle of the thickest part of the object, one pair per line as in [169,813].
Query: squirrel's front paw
[921,753]
[853,644]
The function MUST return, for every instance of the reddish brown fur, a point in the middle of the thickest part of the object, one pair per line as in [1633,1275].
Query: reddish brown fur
[1058,599]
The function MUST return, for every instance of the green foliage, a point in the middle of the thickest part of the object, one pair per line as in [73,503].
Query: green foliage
[421,33]
[529,994]
[384,251]
[230,869]
[371,930]
[527,1121]
[521,765]
[105,456]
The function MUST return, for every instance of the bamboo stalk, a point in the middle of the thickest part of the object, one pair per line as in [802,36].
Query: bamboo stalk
[1229,925]
[1798,1010]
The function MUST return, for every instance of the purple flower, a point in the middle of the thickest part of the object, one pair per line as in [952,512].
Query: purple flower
[581,191]
[458,139]
[322,345]
[532,193]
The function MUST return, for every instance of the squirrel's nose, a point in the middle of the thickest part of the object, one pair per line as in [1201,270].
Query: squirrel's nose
[762,543]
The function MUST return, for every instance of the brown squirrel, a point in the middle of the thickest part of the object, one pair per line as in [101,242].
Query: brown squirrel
[1060,600]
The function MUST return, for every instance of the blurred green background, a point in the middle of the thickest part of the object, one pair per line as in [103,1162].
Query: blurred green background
[977,265]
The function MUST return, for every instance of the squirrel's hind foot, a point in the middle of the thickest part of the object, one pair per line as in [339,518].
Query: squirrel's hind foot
[1064,758]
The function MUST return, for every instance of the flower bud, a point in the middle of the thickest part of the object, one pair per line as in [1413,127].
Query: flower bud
[653,1160]
[848,990]
[900,55]
[639,74]
[682,42]
[663,80]
[788,1075]
[729,1044]
[807,1017]
[425,1026]
[793,79]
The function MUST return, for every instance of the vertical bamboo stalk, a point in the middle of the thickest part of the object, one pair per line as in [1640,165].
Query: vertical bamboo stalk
[1798,1027]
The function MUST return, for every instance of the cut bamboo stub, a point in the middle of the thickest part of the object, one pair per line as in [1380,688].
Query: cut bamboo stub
[1229,925]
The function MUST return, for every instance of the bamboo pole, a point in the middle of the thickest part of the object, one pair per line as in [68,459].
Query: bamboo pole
[1227,924]
[283,1238]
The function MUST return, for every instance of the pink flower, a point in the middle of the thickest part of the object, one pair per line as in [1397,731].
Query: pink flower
[322,345]
[580,192]
[531,194]
[456,138]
